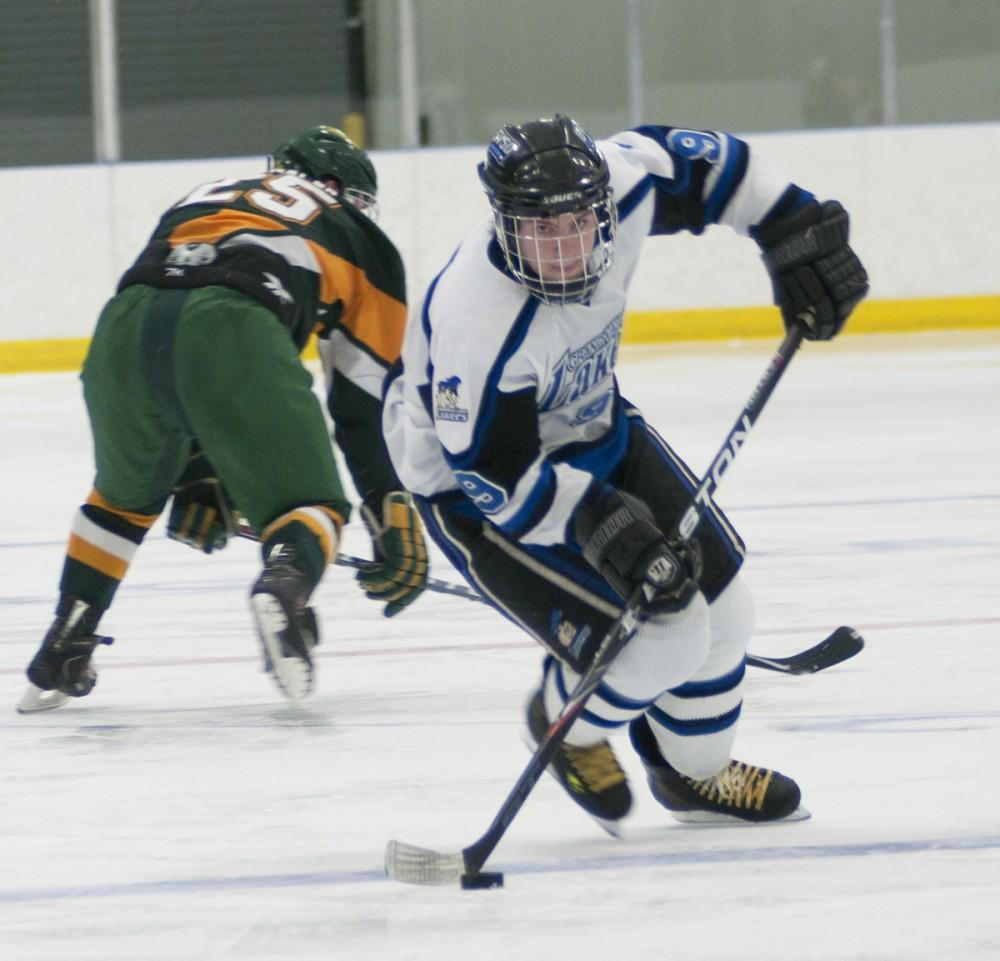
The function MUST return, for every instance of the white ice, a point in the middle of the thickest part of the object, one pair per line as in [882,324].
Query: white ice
[184,810]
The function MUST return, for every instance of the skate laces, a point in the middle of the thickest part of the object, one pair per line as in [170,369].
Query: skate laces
[596,767]
[737,785]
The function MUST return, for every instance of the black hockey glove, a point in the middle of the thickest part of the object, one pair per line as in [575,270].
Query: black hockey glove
[399,572]
[817,278]
[619,538]
[201,514]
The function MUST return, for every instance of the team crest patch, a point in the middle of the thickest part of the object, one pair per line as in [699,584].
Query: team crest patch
[501,146]
[568,635]
[446,403]
[191,255]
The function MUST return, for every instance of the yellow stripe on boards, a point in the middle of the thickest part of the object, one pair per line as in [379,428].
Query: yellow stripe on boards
[25,356]
[37,356]
[641,327]
[871,317]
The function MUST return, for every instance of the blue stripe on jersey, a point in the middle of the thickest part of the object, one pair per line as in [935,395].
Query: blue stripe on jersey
[790,201]
[657,133]
[459,503]
[634,197]
[536,505]
[717,685]
[488,409]
[599,457]
[731,176]
[425,320]
[696,726]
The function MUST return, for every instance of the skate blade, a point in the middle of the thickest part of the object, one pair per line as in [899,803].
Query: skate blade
[36,699]
[292,675]
[709,818]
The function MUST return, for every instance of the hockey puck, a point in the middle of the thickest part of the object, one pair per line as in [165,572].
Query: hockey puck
[482,880]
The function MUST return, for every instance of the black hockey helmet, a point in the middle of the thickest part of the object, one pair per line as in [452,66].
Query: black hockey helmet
[326,153]
[543,169]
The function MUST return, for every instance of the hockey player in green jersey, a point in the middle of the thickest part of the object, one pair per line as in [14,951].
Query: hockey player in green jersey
[194,389]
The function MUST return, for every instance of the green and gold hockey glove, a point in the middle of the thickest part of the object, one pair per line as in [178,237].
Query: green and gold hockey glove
[399,572]
[201,513]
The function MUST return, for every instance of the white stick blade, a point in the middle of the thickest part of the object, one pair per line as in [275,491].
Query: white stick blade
[413,865]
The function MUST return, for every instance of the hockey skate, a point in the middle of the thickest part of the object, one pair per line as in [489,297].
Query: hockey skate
[287,627]
[62,669]
[738,793]
[591,776]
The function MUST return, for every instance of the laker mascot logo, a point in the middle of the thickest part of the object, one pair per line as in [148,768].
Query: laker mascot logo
[446,400]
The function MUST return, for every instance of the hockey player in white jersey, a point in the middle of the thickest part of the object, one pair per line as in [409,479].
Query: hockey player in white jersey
[550,492]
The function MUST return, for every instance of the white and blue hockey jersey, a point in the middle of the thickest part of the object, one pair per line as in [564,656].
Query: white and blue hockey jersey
[515,402]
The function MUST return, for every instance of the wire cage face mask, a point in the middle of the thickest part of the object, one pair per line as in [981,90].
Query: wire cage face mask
[560,258]
[361,200]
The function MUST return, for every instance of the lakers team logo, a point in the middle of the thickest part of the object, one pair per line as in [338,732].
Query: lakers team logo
[446,402]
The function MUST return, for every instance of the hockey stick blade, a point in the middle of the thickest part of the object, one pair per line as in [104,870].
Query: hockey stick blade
[414,865]
[841,645]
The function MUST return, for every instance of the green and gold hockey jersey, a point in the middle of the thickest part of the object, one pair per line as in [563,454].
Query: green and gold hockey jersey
[322,266]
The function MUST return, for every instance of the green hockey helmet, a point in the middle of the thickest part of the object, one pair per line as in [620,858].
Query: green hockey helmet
[328,154]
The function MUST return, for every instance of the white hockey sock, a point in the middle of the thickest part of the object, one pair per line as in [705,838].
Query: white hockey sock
[664,653]
[695,723]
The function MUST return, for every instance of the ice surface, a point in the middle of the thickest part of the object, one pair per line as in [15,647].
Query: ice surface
[184,810]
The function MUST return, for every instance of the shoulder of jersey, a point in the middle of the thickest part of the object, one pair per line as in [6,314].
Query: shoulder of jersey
[629,164]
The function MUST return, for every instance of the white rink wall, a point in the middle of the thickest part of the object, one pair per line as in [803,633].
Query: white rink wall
[924,204]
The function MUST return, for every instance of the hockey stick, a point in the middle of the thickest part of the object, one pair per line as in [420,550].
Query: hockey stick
[360,563]
[842,644]
[415,865]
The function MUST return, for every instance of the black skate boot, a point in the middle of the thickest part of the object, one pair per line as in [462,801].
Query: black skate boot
[61,669]
[739,792]
[591,775]
[287,627]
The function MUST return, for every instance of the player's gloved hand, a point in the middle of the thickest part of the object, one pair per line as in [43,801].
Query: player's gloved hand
[817,278]
[399,571]
[201,513]
[619,538]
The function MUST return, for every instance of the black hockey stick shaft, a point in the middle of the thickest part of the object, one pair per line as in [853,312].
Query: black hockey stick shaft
[738,434]
[622,631]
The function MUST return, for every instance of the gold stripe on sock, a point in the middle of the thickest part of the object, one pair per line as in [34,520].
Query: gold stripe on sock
[91,555]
